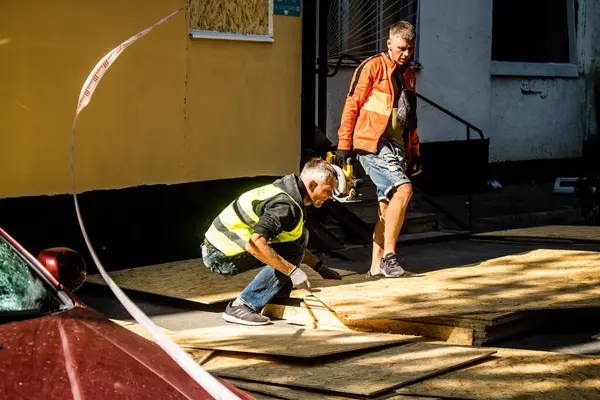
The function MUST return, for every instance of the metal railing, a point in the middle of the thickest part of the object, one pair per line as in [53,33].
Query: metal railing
[469,126]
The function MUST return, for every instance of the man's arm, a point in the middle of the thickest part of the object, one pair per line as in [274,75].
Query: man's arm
[260,249]
[360,88]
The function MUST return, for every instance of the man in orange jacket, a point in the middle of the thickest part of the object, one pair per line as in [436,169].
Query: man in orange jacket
[379,122]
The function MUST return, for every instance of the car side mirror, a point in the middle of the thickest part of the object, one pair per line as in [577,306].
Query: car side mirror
[65,265]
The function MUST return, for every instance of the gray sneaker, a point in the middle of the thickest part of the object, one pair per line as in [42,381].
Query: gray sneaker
[244,315]
[390,266]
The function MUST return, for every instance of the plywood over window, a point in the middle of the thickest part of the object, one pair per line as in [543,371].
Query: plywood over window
[232,19]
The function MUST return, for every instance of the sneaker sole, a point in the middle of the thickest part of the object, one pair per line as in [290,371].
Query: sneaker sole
[391,275]
[236,320]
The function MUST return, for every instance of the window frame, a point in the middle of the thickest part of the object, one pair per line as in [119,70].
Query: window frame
[205,34]
[556,70]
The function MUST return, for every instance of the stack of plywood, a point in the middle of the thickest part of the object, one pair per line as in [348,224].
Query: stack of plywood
[491,327]
[537,280]
[473,329]
[487,299]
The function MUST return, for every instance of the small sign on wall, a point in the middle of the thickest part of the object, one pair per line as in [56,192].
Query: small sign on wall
[287,7]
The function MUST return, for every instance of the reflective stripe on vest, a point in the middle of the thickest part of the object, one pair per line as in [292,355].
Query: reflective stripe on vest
[232,229]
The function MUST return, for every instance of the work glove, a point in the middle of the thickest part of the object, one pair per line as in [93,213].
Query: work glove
[343,155]
[299,279]
[325,272]
[415,167]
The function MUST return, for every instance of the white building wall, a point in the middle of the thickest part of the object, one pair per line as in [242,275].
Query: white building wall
[455,50]
[525,118]
[532,119]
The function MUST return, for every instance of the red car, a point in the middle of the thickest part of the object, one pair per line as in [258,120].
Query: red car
[53,346]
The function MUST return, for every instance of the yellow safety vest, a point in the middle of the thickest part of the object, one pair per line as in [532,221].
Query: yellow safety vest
[232,229]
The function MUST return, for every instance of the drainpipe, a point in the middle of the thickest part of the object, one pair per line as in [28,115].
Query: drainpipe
[309,55]
[322,70]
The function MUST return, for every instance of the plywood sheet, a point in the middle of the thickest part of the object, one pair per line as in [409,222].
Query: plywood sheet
[283,341]
[292,393]
[139,329]
[261,396]
[518,374]
[540,279]
[564,232]
[191,280]
[284,392]
[325,319]
[366,373]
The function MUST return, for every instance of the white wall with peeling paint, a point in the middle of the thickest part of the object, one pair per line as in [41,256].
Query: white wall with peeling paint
[534,119]
[526,118]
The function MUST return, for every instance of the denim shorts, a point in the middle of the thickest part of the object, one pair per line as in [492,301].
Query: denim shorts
[385,168]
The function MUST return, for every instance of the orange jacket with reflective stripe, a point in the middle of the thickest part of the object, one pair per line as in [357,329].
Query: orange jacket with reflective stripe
[369,106]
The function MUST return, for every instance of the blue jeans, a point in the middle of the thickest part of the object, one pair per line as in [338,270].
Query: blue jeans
[268,283]
[386,168]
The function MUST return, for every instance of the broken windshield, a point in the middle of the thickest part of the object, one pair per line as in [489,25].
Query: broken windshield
[22,289]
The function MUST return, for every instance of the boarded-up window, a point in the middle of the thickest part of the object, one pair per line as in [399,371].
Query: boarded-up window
[231,19]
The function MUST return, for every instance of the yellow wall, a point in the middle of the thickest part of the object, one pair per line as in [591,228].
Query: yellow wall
[170,110]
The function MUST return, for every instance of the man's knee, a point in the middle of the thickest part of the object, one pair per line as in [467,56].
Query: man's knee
[403,192]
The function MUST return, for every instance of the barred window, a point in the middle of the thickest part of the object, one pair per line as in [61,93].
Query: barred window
[360,28]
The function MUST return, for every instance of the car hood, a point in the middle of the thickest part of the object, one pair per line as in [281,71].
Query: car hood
[81,355]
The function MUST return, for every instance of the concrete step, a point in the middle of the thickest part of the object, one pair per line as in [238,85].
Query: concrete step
[414,222]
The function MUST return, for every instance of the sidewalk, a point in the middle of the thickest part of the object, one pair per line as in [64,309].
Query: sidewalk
[515,206]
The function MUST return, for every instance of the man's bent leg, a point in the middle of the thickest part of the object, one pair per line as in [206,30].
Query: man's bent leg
[269,282]
[265,285]
[394,217]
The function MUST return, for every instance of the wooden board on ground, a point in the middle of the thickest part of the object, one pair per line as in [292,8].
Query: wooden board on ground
[261,396]
[540,279]
[518,374]
[292,393]
[283,341]
[366,373]
[199,355]
[323,318]
[138,329]
[590,234]
[191,280]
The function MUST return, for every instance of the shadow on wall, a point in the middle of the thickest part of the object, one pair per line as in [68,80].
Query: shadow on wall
[127,227]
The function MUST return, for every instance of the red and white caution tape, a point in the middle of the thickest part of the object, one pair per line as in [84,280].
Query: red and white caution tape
[214,387]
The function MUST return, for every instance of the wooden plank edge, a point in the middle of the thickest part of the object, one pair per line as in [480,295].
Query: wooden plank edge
[326,319]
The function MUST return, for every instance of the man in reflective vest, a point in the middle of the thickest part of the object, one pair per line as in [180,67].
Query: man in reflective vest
[265,226]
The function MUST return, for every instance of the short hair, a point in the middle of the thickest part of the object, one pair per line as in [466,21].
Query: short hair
[318,170]
[403,29]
